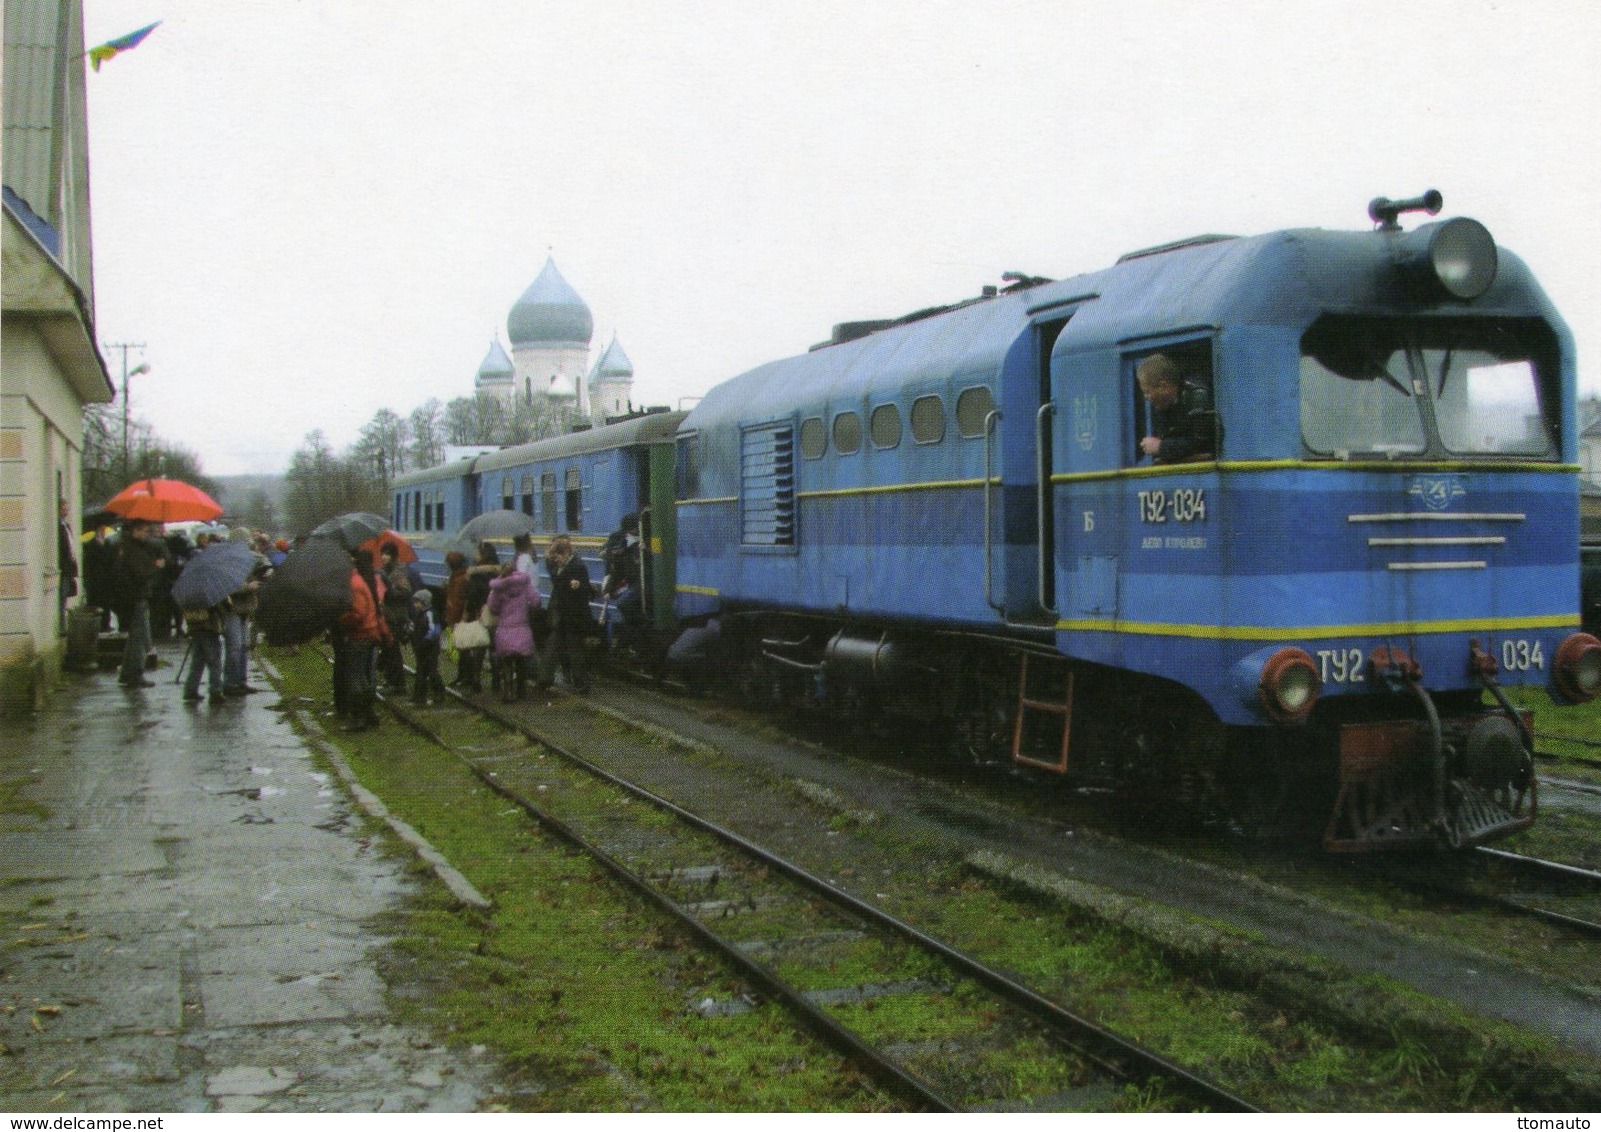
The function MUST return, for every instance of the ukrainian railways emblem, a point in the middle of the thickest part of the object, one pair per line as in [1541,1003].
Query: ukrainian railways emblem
[1084,413]
[1437,492]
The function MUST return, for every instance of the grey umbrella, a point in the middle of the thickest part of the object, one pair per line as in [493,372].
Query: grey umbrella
[213,573]
[496,524]
[352,529]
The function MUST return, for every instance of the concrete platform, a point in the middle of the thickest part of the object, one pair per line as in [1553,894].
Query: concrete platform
[188,921]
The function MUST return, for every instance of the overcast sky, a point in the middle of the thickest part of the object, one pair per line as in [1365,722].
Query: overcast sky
[308,211]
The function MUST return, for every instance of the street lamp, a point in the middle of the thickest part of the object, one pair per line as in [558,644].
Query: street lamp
[142,367]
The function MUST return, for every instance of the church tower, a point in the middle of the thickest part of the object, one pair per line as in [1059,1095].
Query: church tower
[496,374]
[611,384]
[550,328]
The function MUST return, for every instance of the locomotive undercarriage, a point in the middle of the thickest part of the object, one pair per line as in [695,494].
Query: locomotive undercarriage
[1378,772]
[1461,775]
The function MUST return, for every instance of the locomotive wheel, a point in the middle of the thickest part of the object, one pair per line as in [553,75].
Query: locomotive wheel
[981,725]
[1256,788]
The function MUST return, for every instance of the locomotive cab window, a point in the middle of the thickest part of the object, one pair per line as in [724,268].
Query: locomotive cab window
[1388,388]
[1174,414]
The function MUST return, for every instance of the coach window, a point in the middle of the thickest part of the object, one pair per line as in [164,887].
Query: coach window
[575,500]
[506,498]
[547,502]
[416,509]
[885,426]
[847,434]
[528,494]
[813,438]
[973,407]
[439,510]
[425,504]
[928,420]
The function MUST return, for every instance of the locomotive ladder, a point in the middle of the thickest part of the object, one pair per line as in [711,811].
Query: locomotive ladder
[1027,703]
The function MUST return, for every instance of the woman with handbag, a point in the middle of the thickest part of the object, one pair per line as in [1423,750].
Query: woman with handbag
[470,635]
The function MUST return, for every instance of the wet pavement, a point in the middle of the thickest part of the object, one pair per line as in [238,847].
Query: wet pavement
[189,916]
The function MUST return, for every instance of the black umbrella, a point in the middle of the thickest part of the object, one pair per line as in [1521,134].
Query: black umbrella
[306,594]
[213,573]
[97,517]
[496,524]
[352,529]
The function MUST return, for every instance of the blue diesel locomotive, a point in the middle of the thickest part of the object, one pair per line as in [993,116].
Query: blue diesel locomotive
[1373,528]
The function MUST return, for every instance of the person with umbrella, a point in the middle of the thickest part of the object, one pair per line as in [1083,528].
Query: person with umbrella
[359,632]
[204,591]
[204,627]
[139,557]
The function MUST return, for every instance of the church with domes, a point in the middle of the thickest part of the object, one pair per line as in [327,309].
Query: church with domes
[550,329]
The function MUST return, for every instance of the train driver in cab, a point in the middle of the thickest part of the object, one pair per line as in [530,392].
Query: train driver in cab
[1182,424]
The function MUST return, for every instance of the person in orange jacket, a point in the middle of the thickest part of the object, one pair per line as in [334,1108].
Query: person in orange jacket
[359,632]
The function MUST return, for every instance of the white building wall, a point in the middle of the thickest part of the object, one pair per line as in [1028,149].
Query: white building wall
[41,453]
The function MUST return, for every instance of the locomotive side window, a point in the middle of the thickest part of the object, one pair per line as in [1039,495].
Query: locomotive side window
[813,438]
[528,494]
[547,502]
[847,434]
[885,426]
[1387,387]
[575,500]
[1175,421]
[928,420]
[973,407]
[689,465]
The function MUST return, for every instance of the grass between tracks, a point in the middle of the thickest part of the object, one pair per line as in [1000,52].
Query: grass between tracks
[584,993]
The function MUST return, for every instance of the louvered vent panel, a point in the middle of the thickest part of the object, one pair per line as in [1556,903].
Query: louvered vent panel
[767,485]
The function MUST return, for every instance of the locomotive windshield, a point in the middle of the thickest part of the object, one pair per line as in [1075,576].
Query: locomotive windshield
[1447,387]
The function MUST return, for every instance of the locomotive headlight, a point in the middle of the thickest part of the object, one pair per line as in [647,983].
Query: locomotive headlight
[1456,256]
[1289,686]
[1577,669]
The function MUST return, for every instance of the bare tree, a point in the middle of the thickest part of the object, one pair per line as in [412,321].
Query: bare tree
[383,446]
[321,484]
[427,434]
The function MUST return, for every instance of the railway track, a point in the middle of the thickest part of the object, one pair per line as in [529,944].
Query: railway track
[942,1029]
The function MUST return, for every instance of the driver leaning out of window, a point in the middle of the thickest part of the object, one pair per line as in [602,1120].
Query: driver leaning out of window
[1181,412]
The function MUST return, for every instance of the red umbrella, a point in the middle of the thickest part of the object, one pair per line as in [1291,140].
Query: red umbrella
[163,501]
[403,549]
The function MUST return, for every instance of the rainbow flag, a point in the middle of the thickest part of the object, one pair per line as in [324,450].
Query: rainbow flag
[115,47]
